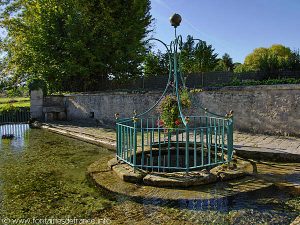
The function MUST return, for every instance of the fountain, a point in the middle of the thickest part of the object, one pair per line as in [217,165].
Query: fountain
[174,141]
[176,159]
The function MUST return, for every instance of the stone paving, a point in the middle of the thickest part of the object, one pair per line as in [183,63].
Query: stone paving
[243,142]
[267,142]
[296,221]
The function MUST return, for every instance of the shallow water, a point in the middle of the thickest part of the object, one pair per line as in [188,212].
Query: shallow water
[20,132]
[43,176]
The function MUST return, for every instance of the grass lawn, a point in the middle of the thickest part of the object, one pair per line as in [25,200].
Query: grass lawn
[17,99]
[16,102]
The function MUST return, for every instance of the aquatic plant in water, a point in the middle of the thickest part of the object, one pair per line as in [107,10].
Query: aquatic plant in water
[48,178]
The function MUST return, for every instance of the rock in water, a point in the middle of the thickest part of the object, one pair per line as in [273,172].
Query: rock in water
[35,125]
[8,136]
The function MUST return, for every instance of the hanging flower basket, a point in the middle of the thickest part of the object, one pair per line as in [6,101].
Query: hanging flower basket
[169,109]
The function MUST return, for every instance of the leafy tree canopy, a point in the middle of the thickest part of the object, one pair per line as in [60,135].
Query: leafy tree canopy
[225,63]
[198,58]
[269,59]
[195,57]
[75,44]
[156,64]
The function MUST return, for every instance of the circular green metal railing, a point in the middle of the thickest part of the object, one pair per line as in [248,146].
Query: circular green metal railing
[144,144]
[199,142]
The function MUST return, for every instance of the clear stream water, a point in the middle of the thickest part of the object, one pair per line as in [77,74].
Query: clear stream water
[42,175]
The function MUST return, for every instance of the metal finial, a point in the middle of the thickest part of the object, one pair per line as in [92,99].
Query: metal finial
[175,20]
[229,114]
[187,119]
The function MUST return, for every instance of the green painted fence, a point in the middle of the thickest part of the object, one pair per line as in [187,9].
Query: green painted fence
[19,115]
[144,144]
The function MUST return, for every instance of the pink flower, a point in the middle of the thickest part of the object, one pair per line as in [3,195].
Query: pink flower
[160,123]
[177,122]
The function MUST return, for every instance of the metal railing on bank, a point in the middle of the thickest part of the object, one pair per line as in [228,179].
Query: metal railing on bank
[19,115]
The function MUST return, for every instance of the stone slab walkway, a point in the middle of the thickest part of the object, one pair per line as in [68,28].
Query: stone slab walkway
[245,144]
[274,143]
[264,146]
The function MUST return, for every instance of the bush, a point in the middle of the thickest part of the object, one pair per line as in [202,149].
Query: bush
[36,84]
[14,92]
[237,82]
[8,108]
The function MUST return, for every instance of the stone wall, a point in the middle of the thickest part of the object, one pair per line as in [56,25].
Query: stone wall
[36,104]
[263,109]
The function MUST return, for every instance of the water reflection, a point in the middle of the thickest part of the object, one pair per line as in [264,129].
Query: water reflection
[20,134]
[220,204]
[243,200]
[265,206]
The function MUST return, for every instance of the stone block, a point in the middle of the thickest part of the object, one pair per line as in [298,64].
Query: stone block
[113,162]
[56,109]
[62,116]
[126,173]
[232,171]
[49,116]
[36,94]
[36,112]
[36,104]
[179,179]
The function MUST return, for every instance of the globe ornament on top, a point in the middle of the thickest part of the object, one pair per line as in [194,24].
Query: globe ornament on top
[175,20]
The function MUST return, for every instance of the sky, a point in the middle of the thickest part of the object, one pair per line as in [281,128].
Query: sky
[235,27]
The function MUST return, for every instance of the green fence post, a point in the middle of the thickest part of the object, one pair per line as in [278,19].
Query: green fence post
[206,130]
[230,136]
[118,135]
[187,144]
[134,141]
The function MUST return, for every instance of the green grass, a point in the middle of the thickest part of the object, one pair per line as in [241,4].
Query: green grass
[18,99]
[6,103]
[17,105]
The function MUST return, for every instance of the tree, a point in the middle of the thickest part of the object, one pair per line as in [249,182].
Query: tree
[75,44]
[193,59]
[294,61]
[271,59]
[156,64]
[242,68]
[225,64]
[205,58]
[197,58]
[227,60]
[188,55]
